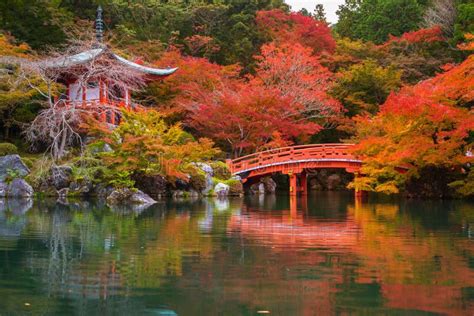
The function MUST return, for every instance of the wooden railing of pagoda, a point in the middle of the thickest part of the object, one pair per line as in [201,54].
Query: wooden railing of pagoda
[107,111]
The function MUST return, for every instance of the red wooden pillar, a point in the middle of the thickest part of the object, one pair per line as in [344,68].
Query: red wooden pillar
[304,183]
[101,92]
[293,206]
[293,183]
[103,116]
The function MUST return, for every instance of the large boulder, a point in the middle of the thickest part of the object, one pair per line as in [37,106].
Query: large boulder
[266,186]
[235,187]
[269,185]
[333,182]
[61,176]
[126,195]
[19,188]
[82,188]
[207,183]
[155,186]
[221,189]
[12,163]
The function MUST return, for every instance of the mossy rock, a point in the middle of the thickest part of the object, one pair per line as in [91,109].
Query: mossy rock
[197,181]
[8,149]
[235,187]
[220,169]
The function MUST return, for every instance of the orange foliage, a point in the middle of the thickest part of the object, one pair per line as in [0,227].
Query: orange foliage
[428,35]
[424,125]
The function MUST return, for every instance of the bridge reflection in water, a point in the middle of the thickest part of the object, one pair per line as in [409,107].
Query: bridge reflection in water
[391,256]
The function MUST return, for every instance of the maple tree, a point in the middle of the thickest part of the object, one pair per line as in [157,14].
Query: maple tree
[245,118]
[427,125]
[175,95]
[299,76]
[291,28]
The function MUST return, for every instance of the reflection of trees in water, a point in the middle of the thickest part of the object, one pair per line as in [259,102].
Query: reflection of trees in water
[95,255]
[12,219]
[330,256]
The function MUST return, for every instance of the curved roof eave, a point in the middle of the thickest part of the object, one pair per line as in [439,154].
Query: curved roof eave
[76,59]
[144,69]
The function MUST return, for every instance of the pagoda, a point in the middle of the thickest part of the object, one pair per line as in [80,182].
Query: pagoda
[98,92]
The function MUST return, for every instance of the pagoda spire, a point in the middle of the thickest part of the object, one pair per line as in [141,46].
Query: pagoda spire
[99,25]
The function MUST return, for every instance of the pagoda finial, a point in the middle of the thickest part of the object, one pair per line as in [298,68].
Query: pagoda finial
[99,25]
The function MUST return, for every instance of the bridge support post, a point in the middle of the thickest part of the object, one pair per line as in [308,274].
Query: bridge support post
[293,183]
[303,183]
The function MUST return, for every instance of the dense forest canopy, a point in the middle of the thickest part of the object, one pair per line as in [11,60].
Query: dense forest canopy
[254,75]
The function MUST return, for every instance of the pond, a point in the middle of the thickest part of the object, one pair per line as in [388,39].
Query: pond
[324,254]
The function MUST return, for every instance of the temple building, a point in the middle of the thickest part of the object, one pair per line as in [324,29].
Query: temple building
[86,89]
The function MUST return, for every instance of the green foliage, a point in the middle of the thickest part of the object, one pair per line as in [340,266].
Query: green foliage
[8,149]
[375,20]
[464,21]
[40,23]
[465,187]
[12,174]
[143,143]
[363,87]
[221,170]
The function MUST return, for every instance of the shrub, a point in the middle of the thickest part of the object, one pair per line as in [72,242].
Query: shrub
[8,149]
[220,170]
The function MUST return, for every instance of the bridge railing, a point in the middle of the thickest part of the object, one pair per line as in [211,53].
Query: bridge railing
[289,154]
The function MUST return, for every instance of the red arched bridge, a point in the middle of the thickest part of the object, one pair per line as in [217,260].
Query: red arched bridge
[294,161]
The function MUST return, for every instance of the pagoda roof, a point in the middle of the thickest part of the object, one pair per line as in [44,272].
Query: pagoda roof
[86,56]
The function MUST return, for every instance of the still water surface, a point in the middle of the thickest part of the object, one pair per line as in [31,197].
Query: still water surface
[322,255]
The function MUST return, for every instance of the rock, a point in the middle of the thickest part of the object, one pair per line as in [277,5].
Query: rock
[193,194]
[155,186]
[221,189]
[12,163]
[208,183]
[19,188]
[237,178]
[139,197]
[254,189]
[177,194]
[85,188]
[205,167]
[63,193]
[128,195]
[269,185]
[333,182]
[314,184]
[3,189]
[61,176]
[236,188]
[102,191]
[107,148]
